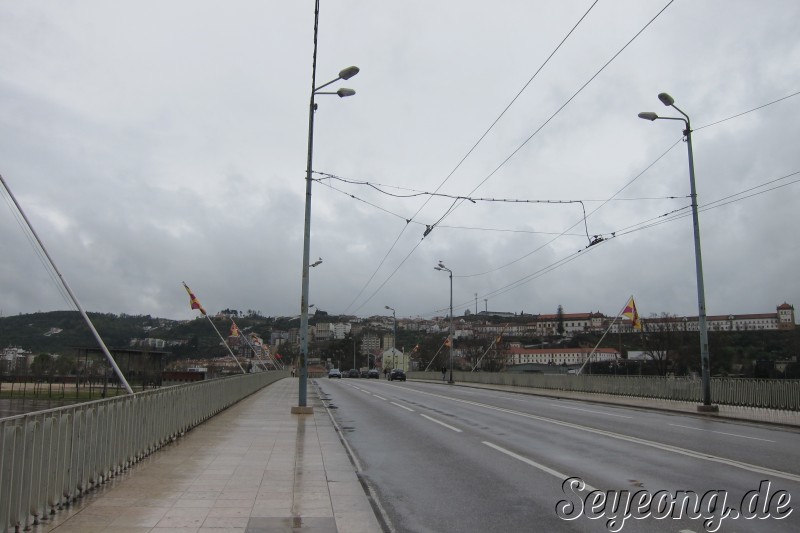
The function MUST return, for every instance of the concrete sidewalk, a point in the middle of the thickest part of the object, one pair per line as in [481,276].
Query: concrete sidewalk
[253,468]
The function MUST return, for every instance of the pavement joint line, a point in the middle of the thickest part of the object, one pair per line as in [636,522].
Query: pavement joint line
[722,433]
[588,410]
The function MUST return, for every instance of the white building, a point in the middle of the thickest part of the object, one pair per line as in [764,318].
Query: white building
[518,355]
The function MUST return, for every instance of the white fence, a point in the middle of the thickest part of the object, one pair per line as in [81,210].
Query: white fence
[782,394]
[50,458]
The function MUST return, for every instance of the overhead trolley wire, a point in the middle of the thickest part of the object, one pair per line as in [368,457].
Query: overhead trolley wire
[469,152]
[457,204]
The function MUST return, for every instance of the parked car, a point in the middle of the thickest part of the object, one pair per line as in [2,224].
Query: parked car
[365,373]
[373,373]
[354,373]
[335,373]
[397,375]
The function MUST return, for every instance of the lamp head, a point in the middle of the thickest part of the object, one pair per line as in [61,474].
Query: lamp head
[648,115]
[666,99]
[348,73]
[441,264]
[343,92]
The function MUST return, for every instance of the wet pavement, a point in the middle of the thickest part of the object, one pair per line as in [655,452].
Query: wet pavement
[253,468]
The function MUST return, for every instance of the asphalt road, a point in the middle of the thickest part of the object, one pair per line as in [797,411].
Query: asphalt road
[444,458]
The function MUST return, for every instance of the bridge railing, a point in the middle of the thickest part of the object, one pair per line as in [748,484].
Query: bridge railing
[50,458]
[780,394]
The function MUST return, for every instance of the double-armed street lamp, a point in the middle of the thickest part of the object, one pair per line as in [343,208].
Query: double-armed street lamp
[394,335]
[344,74]
[441,267]
[668,101]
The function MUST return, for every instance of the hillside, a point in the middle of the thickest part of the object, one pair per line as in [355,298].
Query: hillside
[60,331]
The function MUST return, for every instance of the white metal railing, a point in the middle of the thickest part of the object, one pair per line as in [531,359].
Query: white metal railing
[50,458]
[781,394]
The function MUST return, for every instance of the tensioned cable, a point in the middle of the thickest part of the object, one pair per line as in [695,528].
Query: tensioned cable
[640,174]
[662,219]
[454,205]
[37,250]
[469,152]
[414,193]
[457,204]
[746,112]
[681,213]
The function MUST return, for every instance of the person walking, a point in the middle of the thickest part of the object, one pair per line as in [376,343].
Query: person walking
[444,372]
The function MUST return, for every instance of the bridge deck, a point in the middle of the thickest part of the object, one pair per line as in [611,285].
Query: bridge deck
[252,468]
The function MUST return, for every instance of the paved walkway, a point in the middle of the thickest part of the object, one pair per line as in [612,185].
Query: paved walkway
[253,468]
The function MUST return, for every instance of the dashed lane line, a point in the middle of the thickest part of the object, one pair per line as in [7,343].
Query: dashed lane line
[402,406]
[543,468]
[448,426]
[627,438]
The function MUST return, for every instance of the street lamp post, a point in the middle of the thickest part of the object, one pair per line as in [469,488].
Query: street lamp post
[668,101]
[394,335]
[441,266]
[345,74]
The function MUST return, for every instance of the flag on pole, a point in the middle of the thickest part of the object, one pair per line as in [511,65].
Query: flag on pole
[234,329]
[631,313]
[447,341]
[416,349]
[193,301]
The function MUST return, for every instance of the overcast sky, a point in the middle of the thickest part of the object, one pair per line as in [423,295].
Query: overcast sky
[154,142]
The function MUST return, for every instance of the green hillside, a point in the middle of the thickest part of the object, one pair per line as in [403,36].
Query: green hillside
[59,332]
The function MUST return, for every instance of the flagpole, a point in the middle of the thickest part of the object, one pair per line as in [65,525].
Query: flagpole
[225,343]
[580,370]
[258,356]
[72,296]
[437,353]
[494,342]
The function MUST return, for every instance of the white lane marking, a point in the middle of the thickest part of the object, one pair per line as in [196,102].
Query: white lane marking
[534,464]
[721,433]
[589,411]
[635,440]
[402,406]
[448,426]
[379,397]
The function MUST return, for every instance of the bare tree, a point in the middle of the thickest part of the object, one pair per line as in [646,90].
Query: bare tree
[662,339]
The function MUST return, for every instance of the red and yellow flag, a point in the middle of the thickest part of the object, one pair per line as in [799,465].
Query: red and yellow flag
[193,301]
[234,329]
[447,341]
[631,312]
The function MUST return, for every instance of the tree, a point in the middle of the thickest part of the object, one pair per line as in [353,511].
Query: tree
[42,365]
[663,336]
[560,321]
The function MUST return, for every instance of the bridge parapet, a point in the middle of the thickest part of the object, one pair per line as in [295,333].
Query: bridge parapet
[50,458]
